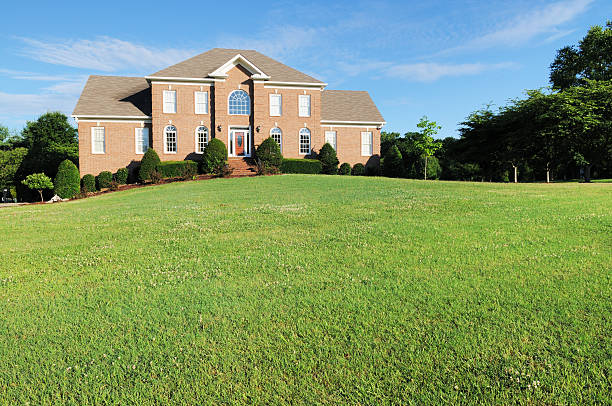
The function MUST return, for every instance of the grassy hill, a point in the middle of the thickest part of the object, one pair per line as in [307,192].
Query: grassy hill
[310,289]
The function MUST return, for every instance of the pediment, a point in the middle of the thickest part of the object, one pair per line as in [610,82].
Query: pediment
[238,59]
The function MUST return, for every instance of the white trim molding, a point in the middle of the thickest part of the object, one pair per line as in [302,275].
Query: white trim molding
[165,79]
[361,123]
[221,72]
[292,85]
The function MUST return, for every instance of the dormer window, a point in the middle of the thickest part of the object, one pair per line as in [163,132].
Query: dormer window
[239,103]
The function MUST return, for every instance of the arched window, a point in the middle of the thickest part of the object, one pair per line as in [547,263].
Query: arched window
[277,135]
[201,139]
[170,139]
[304,141]
[239,103]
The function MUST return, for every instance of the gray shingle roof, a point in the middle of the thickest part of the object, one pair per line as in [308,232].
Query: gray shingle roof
[114,96]
[349,105]
[202,65]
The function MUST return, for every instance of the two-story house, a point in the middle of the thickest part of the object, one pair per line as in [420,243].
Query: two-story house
[238,96]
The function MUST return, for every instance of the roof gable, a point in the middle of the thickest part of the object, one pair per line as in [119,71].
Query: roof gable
[349,106]
[218,61]
[114,96]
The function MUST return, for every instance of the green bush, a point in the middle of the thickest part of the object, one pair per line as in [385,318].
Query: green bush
[214,157]
[269,153]
[358,170]
[104,179]
[68,180]
[393,166]
[121,176]
[38,182]
[345,169]
[88,183]
[329,159]
[434,170]
[176,169]
[297,165]
[149,162]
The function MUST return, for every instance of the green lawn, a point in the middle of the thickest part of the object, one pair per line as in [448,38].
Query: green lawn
[310,289]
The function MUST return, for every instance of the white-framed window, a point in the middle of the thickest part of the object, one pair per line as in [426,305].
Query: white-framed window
[169,101]
[239,103]
[304,141]
[304,102]
[98,140]
[276,104]
[170,139]
[366,143]
[201,102]
[331,139]
[201,139]
[277,135]
[141,136]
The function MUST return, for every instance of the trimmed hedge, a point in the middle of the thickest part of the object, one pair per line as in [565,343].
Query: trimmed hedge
[67,181]
[358,170]
[149,161]
[269,153]
[214,157]
[329,159]
[297,165]
[104,179]
[121,176]
[88,183]
[176,169]
[345,169]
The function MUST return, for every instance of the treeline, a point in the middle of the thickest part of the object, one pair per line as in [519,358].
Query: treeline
[564,132]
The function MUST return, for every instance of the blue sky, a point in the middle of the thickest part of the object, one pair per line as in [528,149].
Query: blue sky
[442,59]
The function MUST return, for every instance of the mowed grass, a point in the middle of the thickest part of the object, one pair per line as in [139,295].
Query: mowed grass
[310,289]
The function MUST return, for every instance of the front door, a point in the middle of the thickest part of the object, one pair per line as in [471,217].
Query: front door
[239,143]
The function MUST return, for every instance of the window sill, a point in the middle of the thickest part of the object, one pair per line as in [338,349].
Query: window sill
[171,153]
[98,153]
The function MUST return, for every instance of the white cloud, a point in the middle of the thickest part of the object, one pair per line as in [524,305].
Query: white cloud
[103,54]
[33,104]
[525,27]
[429,72]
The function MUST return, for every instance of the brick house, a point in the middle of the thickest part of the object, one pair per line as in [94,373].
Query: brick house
[238,96]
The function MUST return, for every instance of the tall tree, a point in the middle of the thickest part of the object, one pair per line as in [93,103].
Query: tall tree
[425,143]
[590,60]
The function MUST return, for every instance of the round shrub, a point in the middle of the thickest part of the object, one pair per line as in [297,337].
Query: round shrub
[149,162]
[393,165]
[68,180]
[214,157]
[269,153]
[121,176]
[329,160]
[345,169]
[358,170]
[88,183]
[104,179]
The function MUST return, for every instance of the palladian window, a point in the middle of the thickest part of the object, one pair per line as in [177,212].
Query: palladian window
[239,103]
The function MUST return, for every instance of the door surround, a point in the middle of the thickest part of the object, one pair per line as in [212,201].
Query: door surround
[231,143]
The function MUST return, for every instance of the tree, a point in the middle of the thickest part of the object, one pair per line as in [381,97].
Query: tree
[590,60]
[10,139]
[50,140]
[9,163]
[39,182]
[425,143]
[393,165]
[329,159]
[68,180]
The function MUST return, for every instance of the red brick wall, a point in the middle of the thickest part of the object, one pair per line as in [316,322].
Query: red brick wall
[120,146]
[348,140]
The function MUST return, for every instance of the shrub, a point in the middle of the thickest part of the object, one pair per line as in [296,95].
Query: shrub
[433,168]
[104,180]
[67,181]
[176,169]
[88,183]
[39,182]
[269,153]
[114,185]
[373,169]
[121,176]
[225,171]
[297,165]
[149,162]
[155,176]
[345,169]
[214,157]
[329,159]
[393,165]
[358,170]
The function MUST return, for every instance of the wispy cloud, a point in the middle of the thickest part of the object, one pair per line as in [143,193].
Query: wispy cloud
[12,105]
[103,54]
[522,28]
[430,72]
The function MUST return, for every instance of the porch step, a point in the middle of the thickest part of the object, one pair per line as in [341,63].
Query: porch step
[242,166]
